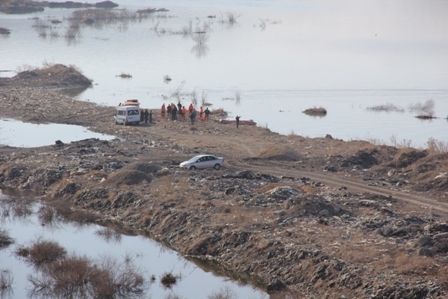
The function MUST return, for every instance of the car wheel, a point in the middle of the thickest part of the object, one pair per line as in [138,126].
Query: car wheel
[217,167]
[192,167]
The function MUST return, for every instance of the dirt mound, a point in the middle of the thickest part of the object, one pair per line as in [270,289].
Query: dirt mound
[362,159]
[57,75]
[281,153]
[143,167]
[408,157]
[128,177]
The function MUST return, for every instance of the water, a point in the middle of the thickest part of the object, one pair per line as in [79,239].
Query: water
[150,257]
[19,134]
[281,57]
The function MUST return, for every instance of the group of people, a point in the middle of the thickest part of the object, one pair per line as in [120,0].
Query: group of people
[146,116]
[179,112]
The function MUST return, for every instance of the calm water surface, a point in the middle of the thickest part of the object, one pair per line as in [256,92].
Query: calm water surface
[280,57]
[150,257]
[19,134]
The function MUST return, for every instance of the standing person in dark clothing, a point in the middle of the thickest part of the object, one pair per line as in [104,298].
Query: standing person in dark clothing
[207,113]
[146,116]
[150,116]
[142,115]
[237,121]
[193,116]
[168,110]
[179,107]
[173,112]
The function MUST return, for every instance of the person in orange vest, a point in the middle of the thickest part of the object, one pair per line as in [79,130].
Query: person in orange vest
[184,112]
[191,108]
[163,110]
[201,113]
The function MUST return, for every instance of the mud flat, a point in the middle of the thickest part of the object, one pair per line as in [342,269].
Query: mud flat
[321,217]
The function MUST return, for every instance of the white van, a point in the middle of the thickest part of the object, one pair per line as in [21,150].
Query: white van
[127,115]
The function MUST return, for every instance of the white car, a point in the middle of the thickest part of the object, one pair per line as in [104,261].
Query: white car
[203,161]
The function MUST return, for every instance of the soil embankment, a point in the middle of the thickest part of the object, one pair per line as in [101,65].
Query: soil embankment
[318,217]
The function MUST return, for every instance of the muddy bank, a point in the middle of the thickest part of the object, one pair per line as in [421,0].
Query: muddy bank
[318,217]
[25,7]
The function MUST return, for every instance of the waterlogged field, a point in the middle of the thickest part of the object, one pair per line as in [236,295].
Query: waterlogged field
[264,60]
[51,252]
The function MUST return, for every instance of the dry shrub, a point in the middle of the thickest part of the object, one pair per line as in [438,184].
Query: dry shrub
[47,215]
[224,293]
[74,215]
[6,281]
[437,146]
[168,279]
[108,235]
[413,264]
[5,239]
[79,277]
[281,153]
[41,252]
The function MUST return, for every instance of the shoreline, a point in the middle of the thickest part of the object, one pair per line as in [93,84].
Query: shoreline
[319,217]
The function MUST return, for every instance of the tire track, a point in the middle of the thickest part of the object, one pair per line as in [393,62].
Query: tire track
[416,200]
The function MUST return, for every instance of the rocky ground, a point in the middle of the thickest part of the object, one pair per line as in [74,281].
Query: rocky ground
[299,217]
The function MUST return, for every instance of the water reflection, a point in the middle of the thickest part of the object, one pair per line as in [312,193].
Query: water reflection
[53,258]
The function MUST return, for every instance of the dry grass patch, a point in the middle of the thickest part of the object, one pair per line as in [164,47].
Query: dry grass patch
[279,153]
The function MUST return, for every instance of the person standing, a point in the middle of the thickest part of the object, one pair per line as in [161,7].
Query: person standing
[146,116]
[150,116]
[142,115]
[237,121]
[201,113]
[163,110]
[207,113]
[179,107]
[190,108]
[193,116]
[173,112]
[184,112]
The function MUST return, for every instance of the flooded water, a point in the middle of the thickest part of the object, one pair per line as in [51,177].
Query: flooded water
[19,134]
[151,258]
[262,59]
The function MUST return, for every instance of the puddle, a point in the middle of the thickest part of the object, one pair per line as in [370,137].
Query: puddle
[19,218]
[19,134]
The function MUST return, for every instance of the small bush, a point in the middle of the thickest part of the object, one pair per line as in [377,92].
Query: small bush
[224,293]
[5,239]
[6,281]
[41,252]
[168,280]
[437,146]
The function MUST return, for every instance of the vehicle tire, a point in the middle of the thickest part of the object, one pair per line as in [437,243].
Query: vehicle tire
[217,167]
[192,167]
[116,122]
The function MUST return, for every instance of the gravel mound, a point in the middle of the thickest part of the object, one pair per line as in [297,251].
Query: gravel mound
[128,177]
[279,153]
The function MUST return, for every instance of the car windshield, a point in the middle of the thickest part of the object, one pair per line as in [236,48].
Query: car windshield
[194,159]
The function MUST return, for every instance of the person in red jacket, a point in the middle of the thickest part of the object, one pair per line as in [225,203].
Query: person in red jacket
[190,108]
[184,112]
